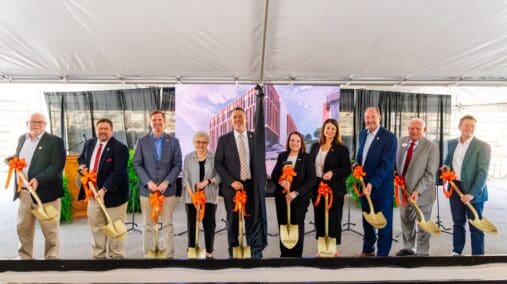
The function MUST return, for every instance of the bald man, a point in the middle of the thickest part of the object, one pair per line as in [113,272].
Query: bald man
[45,158]
[417,161]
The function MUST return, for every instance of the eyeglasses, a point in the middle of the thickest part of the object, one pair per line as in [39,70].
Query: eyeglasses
[201,142]
[36,122]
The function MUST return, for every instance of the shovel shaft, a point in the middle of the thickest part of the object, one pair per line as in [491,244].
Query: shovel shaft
[240,212]
[460,194]
[416,207]
[197,221]
[326,216]
[30,189]
[288,213]
[102,206]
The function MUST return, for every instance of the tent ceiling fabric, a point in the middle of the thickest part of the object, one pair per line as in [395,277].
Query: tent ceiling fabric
[318,41]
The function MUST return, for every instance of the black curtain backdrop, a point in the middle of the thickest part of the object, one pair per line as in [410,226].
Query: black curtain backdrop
[72,115]
[396,110]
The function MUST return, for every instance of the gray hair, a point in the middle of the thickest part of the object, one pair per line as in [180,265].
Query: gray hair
[200,134]
[417,119]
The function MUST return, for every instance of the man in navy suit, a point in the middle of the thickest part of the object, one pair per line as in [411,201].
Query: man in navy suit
[107,157]
[234,163]
[469,157]
[376,153]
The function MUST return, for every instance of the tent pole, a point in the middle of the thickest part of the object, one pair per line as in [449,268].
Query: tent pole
[264,33]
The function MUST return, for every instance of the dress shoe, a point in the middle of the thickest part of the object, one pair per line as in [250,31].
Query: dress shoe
[367,254]
[404,252]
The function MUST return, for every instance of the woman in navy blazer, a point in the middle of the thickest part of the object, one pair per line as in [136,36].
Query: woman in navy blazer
[331,161]
[300,189]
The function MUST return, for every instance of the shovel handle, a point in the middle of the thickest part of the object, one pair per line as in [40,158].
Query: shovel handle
[197,221]
[29,187]
[326,216]
[288,213]
[368,198]
[460,194]
[94,190]
[416,207]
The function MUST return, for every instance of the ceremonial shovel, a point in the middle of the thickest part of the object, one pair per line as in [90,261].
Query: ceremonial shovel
[482,224]
[289,234]
[241,251]
[46,213]
[156,253]
[427,226]
[114,230]
[197,252]
[326,246]
[376,220]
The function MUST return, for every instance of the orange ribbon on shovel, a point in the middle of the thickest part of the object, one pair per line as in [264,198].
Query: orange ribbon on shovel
[85,179]
[199,199]
[448,177]
[156,203]
[324,190]
[15,164]
[288,174]
[240,199]
[399,181]
[358,174]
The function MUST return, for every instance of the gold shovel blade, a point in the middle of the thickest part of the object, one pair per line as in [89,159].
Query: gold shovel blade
[429,227]
[484,225]
[111,231]
[196,252]
[377,220]
[156,254]
[326,246]
[289,235]
[241,252]
[45,214]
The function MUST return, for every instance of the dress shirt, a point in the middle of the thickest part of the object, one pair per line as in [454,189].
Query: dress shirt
[157,144]
[247,147]
[367,143]
[94,154]
[459,155]
[28,149]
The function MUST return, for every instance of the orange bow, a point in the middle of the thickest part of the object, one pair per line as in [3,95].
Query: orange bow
[288,174]
[324,190]
[15,165]
[85,179]
[399,181]
[448,177]
[199,200]
[358,174]
[156,203]
[240,199]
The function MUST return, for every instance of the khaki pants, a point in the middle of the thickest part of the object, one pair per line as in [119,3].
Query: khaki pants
[167,232]
[26,228]
[100,241]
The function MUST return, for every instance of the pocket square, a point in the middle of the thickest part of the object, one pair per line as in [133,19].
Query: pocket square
[109,160]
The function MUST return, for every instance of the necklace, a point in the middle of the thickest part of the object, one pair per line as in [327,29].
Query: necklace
[202,156]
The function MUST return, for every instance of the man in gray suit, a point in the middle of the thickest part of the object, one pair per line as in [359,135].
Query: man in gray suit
[158,163]
[417,161]
[45,158]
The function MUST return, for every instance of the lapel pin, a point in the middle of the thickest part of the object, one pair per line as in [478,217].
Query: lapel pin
[107,149]
[378,138]
[40,147]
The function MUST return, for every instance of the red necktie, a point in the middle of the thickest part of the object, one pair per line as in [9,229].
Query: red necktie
[410,151]
[97,158]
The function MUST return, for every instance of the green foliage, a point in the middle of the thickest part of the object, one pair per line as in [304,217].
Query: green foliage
[66,207]
[349,183]
[134,205]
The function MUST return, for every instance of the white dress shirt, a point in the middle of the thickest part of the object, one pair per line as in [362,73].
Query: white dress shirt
[459,155]
[367,143]
[28,149]
[92,160]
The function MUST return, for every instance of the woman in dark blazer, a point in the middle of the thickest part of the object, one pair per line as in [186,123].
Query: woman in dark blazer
[331,161]
[300,189]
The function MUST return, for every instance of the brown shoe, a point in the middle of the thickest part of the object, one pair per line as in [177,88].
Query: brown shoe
[363,254]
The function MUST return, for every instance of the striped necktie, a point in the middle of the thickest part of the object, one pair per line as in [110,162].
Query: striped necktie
[242,158]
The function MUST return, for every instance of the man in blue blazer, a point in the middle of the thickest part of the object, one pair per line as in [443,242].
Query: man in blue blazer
[469,157]
[158,164]
[107,157]
[376,153]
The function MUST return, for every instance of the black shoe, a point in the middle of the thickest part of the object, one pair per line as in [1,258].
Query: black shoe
[404,252]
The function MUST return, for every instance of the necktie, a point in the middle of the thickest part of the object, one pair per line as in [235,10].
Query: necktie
[410,151]
[242,158]
[97,158]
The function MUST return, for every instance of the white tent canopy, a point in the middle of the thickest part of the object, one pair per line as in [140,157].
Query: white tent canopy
[362,42]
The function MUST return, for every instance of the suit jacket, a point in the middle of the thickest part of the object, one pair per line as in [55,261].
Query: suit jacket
[338,161]
[474,170]
[148,168]
[422,169]
[112,171]
[46,166]
[191,172]
[227,161]
[379,163]
[303,182]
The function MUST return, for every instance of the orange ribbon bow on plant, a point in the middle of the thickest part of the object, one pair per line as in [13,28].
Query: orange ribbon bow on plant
[240,199]
[399,181]
[288,174]
[156,202]
[448,177]
[85,179]
[324,190]
[15,164]
[199,199]
[358,174]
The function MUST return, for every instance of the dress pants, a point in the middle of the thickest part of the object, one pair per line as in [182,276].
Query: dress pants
[460,213]
[408,218]
[208,223]
[166,234]
[335,218]
[298,211]
[100,241]
[26,228]
[385,235]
